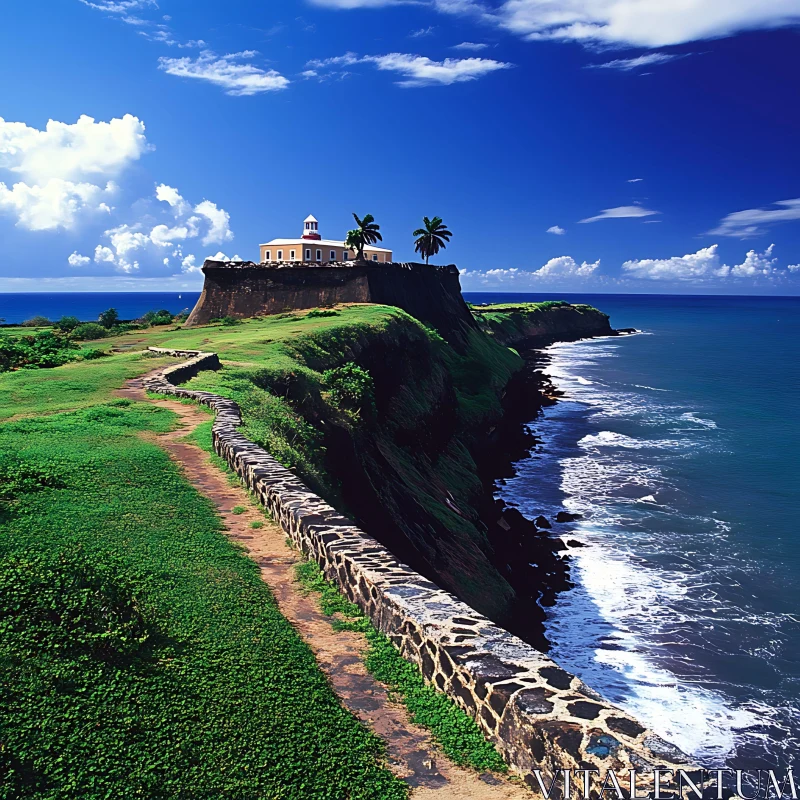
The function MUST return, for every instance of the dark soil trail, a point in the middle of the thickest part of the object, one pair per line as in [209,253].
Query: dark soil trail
[411,753]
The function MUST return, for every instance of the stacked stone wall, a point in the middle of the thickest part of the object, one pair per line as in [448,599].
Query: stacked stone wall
[538,715]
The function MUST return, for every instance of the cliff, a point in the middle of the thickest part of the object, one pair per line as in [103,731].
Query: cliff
[243,289]
[409,444]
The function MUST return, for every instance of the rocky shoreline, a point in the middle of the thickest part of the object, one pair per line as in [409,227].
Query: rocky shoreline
[529,553]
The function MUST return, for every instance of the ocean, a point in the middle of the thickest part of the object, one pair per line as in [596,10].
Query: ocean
[680,448]
[16,308]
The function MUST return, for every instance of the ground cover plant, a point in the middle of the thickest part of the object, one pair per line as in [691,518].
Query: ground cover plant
[453,730]
[141,655]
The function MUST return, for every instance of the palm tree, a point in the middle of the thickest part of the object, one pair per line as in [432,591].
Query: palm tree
[355,241]
[431,239]
[368,233]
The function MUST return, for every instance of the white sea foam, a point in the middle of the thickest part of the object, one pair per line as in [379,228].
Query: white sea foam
[642,594]
[689,416]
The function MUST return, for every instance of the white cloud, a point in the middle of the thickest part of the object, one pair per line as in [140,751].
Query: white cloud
[755,264]
[628,64]
[188,265]
[635,180]
[556,229]
[219,219]
[220,256]
[168,194]
[57,204]
[647,23]
[60,166]
[120,6]
[755,221]
[793,267]
[418,34]
[474,46]
[238,79]
[82,151]
[348,5]
[103,254]
[206,220]
[703,265]
[309,73]
[422,71]
[566,266]
[164,236]
[418,70]
[77,260]
[621,212]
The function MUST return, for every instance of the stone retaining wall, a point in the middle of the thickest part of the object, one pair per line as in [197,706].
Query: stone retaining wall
[538,715]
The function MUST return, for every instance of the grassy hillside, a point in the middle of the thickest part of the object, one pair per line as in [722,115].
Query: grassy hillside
[141,655]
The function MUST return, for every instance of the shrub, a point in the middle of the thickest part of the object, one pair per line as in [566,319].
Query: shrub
[162,317]
[226,321]
[349,387]
[238,510]
[41,349]
[322,312]
[108,318]
[92,353]
[67,324]
[89,330]
[36,322]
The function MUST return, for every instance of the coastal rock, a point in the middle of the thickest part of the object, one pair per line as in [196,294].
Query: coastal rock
[565,516]
[542,522]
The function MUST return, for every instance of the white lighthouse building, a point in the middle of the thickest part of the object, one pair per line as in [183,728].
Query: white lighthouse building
[311,248]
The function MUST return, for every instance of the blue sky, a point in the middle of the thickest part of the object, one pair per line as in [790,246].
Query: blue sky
[571,145]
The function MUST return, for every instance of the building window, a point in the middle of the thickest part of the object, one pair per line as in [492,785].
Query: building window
[291,255]
[333,255]
[345,255]
[267,255]
[308,255]
[375,257]
[319,255]
[280,255]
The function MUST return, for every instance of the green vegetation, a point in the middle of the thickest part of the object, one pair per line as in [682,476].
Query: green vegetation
[431,238]
[162,317]
[67,324]
[453,730]
[108,318]
[90,331]
[141,655]
[349,387]
[256,523]
[41,349]
[238,510]
[36,322]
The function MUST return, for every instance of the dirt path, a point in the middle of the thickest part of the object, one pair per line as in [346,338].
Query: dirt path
[412,755]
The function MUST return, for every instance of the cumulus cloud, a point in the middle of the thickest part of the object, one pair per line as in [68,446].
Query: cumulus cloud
[420,70]
[703,265]
[219,222]
[473,46]
[77,260]
[793,267]
[621,212]
[188,265]
[647,23]
[205,221]
[566,266]
[755,264]
[64,170]
[236,78]
[557,230]
[755,221]
[628,64]
[170,195]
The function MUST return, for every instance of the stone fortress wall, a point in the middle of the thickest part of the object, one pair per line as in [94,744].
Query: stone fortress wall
[538,715]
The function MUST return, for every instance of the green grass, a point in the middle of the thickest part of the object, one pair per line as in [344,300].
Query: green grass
[141,654]
[238,510]
[453,730]
[72,386]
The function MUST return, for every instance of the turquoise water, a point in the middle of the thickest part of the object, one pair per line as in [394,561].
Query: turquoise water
[680,447]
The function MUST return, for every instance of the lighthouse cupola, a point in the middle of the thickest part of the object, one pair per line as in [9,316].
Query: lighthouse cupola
[311,228]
